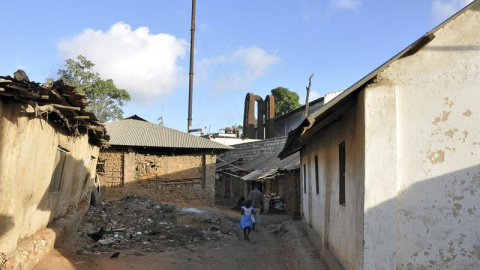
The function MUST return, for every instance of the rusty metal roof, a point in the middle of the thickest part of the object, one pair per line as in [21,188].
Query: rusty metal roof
[135,131]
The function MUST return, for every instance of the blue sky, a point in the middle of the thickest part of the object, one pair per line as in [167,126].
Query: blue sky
[240,47]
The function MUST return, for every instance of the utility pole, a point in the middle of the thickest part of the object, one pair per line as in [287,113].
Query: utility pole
[190,81]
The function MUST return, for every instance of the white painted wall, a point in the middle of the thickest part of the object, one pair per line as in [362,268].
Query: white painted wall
[415,173]
[338,226]
[438,116]
[380,176]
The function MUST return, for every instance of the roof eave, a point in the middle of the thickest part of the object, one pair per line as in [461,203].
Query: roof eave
[293,143]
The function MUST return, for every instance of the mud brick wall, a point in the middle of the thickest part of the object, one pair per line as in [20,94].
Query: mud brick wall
[113,168]
[292,193]
[167,168]
[186,179]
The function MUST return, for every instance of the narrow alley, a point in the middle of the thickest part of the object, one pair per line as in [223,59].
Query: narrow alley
[143,234]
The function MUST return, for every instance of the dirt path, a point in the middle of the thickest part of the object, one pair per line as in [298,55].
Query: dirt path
[219,246]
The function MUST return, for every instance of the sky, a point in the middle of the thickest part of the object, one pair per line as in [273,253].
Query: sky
[240,47]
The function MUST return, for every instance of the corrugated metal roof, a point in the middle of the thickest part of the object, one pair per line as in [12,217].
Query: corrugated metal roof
[246,151]
[266,166]
[135,132]
[271,161]
[260,175]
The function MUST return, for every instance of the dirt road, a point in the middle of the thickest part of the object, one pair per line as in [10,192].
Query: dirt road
[181,238]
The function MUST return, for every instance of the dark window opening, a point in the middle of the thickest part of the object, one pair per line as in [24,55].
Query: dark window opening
[316,175]
[341,150]
[101,167]
[56,182]
[304,178]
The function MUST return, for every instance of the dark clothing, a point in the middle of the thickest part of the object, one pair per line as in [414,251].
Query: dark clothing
[256,197]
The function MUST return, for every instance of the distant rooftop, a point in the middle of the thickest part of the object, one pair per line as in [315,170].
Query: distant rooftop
[136,131]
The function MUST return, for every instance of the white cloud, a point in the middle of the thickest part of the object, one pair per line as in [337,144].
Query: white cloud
[242,67]
[143,63]
[346,4]
[442,9]
[255,61]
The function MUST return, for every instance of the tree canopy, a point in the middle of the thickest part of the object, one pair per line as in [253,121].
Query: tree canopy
[285,100]
[105,99]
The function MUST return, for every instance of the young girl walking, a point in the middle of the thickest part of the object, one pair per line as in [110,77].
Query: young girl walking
[246,222]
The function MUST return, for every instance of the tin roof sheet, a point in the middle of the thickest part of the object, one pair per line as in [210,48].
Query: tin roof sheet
[135,131]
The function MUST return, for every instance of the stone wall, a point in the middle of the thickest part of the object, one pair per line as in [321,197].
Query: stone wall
[184,179]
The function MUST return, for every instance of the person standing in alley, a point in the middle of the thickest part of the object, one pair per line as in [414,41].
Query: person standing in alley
[246,222]
[256,198]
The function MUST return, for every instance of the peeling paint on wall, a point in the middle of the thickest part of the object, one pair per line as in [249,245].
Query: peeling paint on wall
[436,157]
[451,132]
[465,135]
[441,118]
[467,113]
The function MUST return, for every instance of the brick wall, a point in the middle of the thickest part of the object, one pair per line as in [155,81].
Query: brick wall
[113,168]
[185,179]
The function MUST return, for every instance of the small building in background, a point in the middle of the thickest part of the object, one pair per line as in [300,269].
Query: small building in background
[230,188]
[158,162]
[279,180]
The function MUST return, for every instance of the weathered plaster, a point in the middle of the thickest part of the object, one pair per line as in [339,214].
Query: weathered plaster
[337,225]
[28,147]
[437,113]
[380,175]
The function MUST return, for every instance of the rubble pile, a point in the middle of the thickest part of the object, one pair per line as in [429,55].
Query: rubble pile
[145,225]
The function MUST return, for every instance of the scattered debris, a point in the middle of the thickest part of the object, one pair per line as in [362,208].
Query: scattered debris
[145,225]
[193,210]
[115,255]
[97,235]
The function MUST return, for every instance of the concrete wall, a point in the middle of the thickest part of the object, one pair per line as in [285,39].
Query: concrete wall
[417,126]
[438,180]
[380,176]
[188,179]
[28,147]
[339,226]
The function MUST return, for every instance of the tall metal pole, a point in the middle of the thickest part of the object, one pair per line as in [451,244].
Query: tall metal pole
[190,81]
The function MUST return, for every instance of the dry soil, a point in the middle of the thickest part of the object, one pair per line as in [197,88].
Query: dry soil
[146,234]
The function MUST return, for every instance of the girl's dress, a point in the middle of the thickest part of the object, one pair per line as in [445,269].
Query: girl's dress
[246,220]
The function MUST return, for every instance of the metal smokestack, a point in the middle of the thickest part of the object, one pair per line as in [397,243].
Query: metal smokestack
[190,81]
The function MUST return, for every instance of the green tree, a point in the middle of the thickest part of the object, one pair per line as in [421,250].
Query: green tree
[285,100]
[104,98]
